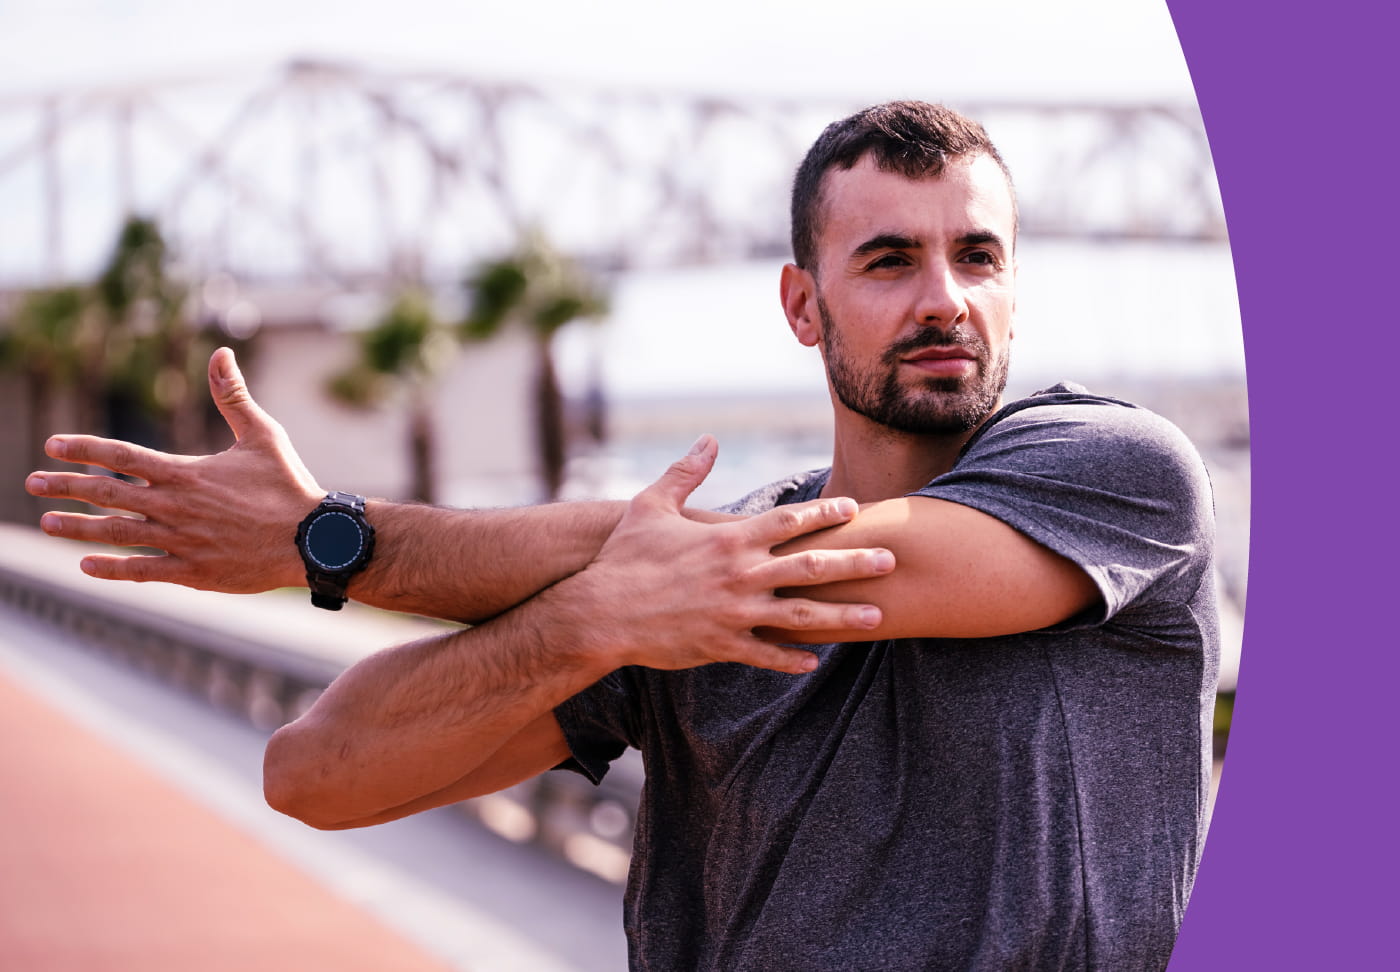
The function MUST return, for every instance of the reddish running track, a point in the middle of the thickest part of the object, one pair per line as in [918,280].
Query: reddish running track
[104,867]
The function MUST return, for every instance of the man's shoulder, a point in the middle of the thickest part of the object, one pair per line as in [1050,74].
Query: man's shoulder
[1073,419]
[1066,453]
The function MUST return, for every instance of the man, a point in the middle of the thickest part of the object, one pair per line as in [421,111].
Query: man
[992,752]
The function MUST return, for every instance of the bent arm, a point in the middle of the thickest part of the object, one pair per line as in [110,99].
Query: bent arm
[471,711]
[430,723]
[538,747]
[962,574]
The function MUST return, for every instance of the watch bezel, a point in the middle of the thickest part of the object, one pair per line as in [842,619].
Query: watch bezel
[319,516]
[328,583]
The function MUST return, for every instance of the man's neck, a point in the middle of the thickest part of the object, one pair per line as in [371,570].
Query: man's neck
[871,462]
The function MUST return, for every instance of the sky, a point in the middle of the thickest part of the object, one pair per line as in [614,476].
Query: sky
[1094,49]
[1021,50]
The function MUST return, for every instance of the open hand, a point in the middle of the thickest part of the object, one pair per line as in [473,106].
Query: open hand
[669,592]
[225,522]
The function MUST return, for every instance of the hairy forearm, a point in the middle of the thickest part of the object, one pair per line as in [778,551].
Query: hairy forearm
[415,721]
[471,565]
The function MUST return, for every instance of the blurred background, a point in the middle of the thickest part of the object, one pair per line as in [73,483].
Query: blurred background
[483,254]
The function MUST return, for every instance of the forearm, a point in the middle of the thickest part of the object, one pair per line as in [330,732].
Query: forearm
[403,729]
[470,565]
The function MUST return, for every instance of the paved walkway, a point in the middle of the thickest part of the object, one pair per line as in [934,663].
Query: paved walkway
[109,863]
[104,867]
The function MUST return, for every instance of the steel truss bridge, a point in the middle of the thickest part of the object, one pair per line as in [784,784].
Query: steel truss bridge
[343,175]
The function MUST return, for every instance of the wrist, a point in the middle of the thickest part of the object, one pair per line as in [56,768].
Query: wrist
[288,568]
[578,630]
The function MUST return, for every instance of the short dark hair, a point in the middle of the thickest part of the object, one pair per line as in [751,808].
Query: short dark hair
[913,138]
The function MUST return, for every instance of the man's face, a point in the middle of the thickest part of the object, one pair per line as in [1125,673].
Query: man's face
[915,293]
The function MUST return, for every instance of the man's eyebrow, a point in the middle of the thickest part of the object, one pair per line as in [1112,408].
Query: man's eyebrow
[898,241]
[886,241]
[980,237]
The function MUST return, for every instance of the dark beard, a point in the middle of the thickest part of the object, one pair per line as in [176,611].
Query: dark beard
[934,406]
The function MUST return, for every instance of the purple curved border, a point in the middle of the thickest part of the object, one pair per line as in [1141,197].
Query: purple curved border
[1298,872]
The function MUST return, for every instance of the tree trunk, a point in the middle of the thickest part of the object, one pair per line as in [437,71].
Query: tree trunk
[422,448]
[90,399]
[549,421]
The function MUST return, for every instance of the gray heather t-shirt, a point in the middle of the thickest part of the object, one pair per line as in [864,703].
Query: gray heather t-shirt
[1029,802]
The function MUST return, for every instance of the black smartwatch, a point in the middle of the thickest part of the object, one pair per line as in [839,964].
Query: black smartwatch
[335,541]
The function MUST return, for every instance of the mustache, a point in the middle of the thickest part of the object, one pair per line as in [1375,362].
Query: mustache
[956,336]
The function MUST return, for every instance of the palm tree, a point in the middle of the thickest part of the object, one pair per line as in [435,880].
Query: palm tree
[407,348]
[152,354]
[404,350]
[121,339]
[541,290]
[124,338]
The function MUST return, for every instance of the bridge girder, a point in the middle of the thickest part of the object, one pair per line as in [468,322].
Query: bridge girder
[346,175]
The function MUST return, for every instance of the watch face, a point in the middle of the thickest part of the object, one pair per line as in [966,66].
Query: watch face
[335,540]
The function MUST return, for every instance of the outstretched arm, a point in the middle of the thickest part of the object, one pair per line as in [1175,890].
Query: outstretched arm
[226,522]
[469,712]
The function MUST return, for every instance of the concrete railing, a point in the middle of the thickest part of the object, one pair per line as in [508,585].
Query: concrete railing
[267,657]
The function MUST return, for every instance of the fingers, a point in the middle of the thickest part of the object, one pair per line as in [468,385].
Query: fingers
[119,457]
[797,614]
[230,393]
[683,476]
[785,523]
[138,569]
[103,491]
[778,658]
[822,567]
[114,531]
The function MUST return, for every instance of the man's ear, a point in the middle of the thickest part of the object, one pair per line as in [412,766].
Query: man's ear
[798,289]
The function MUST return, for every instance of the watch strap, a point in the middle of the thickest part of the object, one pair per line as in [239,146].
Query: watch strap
[337,498]
[327,590]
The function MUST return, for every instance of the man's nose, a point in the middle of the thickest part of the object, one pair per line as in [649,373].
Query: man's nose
[942,300]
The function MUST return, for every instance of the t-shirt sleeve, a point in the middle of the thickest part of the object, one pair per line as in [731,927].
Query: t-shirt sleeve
[1118,490]
[598,724]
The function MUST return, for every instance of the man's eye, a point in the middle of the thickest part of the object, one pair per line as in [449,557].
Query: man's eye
[889,260]
[982,258]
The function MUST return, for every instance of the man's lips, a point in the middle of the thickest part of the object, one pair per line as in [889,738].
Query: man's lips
[942,361]
[940,354]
